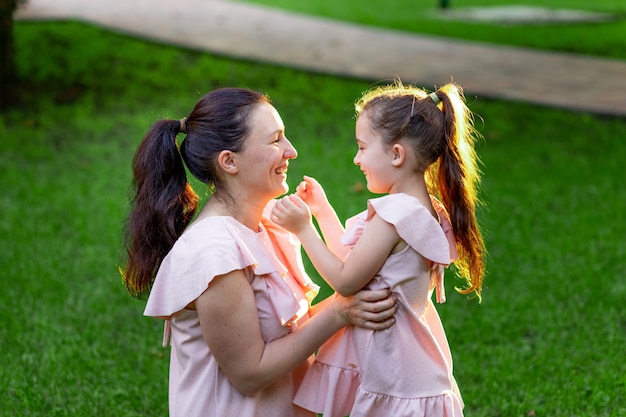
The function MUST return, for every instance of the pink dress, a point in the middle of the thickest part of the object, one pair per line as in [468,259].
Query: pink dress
[271,259]
[405,370]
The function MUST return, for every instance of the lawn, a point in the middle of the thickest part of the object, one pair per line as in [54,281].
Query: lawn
[606,39]
[546,341]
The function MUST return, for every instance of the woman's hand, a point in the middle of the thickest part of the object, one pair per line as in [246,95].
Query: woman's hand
[369,309]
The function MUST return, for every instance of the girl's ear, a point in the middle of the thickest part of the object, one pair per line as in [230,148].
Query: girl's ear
[227,161]
[398,155]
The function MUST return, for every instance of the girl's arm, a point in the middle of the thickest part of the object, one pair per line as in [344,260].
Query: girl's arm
[312,193]
[365,259]
[230,324]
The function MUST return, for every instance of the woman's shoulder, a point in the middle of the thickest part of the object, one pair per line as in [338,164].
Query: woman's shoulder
[214,226]
[210,231]
[211,247]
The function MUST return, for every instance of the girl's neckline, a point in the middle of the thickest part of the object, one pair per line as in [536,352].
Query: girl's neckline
[433,201]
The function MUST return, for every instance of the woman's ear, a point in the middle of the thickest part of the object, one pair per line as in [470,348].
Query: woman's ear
[398,155]
[227,161]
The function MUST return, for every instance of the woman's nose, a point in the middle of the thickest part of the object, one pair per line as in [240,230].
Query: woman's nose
[290,151]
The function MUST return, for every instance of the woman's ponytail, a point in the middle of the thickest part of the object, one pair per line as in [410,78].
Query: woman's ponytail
[163,204]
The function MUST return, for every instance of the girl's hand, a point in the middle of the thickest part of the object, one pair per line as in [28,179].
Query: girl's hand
[291,213]
[312,193]
[369,309]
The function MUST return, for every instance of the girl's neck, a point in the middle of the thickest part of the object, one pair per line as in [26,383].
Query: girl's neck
[415,186]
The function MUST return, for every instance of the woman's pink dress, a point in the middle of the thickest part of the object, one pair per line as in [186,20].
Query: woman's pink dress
[405,370]
[271,259]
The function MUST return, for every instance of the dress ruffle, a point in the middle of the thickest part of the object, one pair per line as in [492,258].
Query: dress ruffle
[330,385]
[372,404]
[335,392]
[287,247]
[417,227]
[191,266]
[333,387]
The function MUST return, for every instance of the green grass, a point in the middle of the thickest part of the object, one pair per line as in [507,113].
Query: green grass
[547,339]
[604,39]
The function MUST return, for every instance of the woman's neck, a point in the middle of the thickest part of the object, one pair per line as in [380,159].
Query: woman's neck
[245,212]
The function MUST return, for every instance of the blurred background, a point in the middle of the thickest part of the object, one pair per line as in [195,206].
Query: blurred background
[83,81]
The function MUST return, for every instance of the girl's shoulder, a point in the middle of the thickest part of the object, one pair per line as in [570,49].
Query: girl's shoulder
[415,225]
[394,207]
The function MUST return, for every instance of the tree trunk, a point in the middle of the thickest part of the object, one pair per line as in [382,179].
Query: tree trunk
[8,74]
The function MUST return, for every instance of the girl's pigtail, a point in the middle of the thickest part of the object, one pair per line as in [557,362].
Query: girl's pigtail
[458,179]
[163,204]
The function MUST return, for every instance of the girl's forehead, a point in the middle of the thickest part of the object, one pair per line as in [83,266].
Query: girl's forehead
[362,120]
[363,127]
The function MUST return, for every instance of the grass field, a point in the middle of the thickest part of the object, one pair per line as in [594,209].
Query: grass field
[547,340]
[605,39]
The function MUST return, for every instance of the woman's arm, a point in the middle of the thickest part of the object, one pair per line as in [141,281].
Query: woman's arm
[230,325]
[369,309]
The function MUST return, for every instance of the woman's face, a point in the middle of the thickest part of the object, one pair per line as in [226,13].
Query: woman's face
[266,153]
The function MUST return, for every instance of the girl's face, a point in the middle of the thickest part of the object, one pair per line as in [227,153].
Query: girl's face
[266,154]
[373,157]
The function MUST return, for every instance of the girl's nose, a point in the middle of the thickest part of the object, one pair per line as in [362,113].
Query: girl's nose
[356,160]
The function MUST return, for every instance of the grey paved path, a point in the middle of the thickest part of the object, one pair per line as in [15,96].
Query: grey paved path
[248,31]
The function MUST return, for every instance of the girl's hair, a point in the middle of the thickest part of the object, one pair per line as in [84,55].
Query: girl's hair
[163,202]
[441,131]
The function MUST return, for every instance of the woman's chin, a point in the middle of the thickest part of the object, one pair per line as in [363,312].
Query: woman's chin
[282,190]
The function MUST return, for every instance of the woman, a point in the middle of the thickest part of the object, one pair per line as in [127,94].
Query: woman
[229,283]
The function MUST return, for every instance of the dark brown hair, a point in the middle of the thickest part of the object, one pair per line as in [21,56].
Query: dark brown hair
[163,202]
[441,131]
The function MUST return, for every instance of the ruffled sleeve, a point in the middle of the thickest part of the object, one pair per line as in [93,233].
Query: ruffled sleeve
[417,227]
[287,247]
[214,246]
[354,229]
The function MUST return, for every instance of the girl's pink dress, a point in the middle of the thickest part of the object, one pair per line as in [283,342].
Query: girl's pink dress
[271,259]
[405,370]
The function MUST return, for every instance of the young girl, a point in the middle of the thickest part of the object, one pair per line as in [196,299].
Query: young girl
[412,146]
